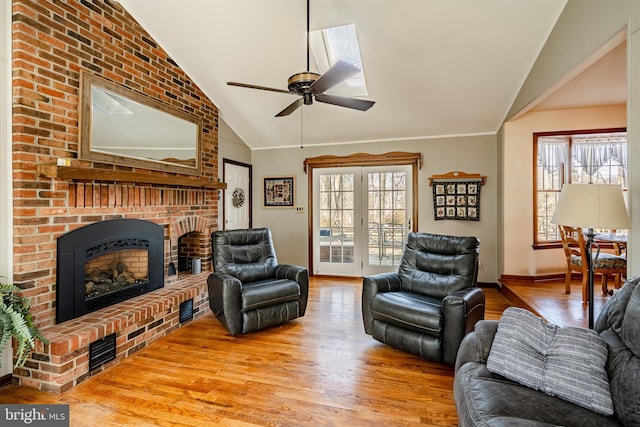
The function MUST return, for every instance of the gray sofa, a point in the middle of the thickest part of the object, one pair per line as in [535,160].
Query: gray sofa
[484,398]
[248,289]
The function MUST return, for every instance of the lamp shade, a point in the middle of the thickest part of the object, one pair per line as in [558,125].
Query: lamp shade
[599,206]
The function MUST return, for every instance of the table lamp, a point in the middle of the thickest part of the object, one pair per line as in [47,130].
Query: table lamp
[589,206]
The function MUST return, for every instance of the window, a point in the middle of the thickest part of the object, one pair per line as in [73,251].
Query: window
[598,157]
[333,44]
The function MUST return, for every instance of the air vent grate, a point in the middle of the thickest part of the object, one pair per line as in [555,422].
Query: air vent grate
[186,311]
[102,351]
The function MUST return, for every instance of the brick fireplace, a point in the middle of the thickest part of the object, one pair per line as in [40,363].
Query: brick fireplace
[53,41]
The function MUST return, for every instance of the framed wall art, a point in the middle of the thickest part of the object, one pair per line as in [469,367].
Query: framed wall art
[456,196]
[279,192]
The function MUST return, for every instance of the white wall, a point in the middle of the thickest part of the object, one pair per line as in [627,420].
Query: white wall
[633,119]
[472,154]
[6,200]
[584,27]
[519,256]
[231,147]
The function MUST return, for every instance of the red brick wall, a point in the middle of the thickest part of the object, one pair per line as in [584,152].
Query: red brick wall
[53,41]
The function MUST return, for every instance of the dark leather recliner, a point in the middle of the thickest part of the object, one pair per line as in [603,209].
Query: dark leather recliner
[248,289]
[432,302]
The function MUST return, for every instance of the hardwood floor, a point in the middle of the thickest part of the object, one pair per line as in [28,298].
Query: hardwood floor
[548,300]
[319,370]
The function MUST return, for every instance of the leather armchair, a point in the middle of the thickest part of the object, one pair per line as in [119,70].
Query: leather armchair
[248,289]
[432,302]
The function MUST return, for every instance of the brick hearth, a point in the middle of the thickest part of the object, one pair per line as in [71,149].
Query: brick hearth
[137,322]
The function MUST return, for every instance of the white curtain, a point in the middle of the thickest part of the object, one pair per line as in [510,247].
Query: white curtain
[588,153]
[590,156]
[552,152]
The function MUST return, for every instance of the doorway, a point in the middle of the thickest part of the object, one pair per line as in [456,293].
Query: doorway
[361,219]
[360,211]
[237,196]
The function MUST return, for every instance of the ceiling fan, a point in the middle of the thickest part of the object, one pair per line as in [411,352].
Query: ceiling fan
[310,85]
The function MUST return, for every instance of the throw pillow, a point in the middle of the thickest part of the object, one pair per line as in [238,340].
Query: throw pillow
[565,362]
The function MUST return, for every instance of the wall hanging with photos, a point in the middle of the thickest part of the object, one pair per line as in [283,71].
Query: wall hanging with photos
[456,195]
[279,192]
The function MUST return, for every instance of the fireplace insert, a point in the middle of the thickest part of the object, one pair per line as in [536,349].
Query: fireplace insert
[106,263]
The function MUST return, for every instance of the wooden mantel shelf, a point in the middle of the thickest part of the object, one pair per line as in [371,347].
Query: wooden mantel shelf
[75,173]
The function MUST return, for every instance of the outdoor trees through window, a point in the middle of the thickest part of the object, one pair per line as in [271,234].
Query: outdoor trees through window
[581,157]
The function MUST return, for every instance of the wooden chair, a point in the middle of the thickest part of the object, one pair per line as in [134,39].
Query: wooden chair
[606,264]
[619,247]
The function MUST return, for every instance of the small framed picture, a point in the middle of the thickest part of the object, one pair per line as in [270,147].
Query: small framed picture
[279,192]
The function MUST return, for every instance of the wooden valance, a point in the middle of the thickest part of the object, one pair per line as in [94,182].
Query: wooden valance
[457,176]
[364,159]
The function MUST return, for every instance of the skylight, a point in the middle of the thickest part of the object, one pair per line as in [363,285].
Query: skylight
[329,45]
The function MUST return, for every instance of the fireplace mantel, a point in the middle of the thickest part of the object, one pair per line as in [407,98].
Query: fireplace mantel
[79,173]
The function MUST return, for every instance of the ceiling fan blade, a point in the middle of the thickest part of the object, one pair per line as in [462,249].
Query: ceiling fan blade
[342,101]
[291,108]
[340,71]
[259,87]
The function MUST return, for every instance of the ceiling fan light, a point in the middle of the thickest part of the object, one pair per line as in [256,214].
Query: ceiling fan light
[300,81]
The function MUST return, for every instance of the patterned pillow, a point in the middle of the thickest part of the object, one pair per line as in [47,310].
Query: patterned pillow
[565,362]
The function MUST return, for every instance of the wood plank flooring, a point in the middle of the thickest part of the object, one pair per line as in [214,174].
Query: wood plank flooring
[319,370]
[548,299]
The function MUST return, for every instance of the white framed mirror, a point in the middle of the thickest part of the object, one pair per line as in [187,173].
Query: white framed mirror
[124,127]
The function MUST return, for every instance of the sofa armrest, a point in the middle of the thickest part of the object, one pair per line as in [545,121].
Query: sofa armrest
[225,300]
[460,312]
[372,285]
[300,275]
[475,346]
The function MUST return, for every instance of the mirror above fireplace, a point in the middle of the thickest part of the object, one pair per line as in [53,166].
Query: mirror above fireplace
[124,127]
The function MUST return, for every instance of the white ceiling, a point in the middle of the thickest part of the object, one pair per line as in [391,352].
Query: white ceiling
[434,67]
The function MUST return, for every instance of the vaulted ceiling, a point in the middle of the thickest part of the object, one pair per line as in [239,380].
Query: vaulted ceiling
[434,67]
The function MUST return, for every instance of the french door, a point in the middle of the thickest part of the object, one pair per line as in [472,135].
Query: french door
[361,218]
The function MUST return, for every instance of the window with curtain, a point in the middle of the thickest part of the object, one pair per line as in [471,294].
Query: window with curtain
[583,157]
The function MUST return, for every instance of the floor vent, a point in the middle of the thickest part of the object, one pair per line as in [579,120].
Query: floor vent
[186,311]
[102,351]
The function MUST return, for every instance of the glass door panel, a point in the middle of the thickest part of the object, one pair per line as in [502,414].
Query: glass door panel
[335,201]
[388,202]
